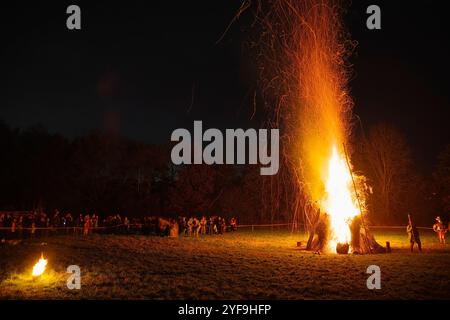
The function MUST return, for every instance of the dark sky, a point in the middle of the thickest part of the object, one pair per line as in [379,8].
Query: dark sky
[147,68]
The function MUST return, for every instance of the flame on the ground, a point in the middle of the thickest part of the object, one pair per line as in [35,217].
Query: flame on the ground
[339,201]
[39,267]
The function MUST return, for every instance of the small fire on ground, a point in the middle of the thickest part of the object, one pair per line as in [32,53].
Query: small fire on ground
[39,267]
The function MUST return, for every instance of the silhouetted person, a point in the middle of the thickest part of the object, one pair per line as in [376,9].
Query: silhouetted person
[220,225]
[413,234]
[190,226]
[2,225]
[211,226]
[183,224]
[196,227]
[86,226]
[203,225]
[233,224]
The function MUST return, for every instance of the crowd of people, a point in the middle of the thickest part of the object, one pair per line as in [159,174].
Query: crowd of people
[40,224]
[206,226]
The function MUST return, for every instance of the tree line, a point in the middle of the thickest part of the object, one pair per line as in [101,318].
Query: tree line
[108,174]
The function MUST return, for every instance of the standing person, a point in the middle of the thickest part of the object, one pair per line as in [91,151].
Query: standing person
[78,224]
[211,226]
[216,225]
[86,226]
[118,223]
[234,224]
[190,225]
[224,225]
[13,229]
[69,222]
[29,224]
[173,225]
[183,224]
[20,227]
[33,229]
[47,225]
[8,224]
[2,225]
[91,223]
[196,227]
[126,223]
[94,223]
[220,225]
[203,225]
[56,222]
[439,228]
[413,234]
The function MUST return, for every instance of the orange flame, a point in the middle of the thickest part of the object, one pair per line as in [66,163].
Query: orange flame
[339,201]
[39,267]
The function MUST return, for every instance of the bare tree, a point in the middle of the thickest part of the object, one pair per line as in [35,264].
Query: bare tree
[388,166]
[442,178]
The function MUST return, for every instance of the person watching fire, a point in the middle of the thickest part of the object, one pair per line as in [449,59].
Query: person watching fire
[203,225]
[440,229]
[413,234]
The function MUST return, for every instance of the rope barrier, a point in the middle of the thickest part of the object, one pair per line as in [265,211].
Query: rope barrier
[397,227]
[264,225]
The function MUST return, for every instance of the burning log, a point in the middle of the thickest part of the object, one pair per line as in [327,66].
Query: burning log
[342,248]
[359,241]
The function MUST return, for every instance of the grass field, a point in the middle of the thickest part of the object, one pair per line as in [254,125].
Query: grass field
[241,265]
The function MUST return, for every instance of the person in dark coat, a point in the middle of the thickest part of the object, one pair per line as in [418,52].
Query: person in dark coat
[413,234]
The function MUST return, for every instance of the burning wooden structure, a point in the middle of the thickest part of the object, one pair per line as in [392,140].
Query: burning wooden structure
[304,50]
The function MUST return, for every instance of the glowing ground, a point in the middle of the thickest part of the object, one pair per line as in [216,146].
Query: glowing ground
[243,265]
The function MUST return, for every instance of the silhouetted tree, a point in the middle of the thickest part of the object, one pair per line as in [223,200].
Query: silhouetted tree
[441,177]
[193,190]
[244,197]
[386,161]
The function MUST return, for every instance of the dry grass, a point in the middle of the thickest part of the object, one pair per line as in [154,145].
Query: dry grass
[242,265]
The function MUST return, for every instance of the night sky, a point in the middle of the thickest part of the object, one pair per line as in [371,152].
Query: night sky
[143,69]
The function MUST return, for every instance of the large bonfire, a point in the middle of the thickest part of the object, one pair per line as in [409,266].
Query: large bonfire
[305,75]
